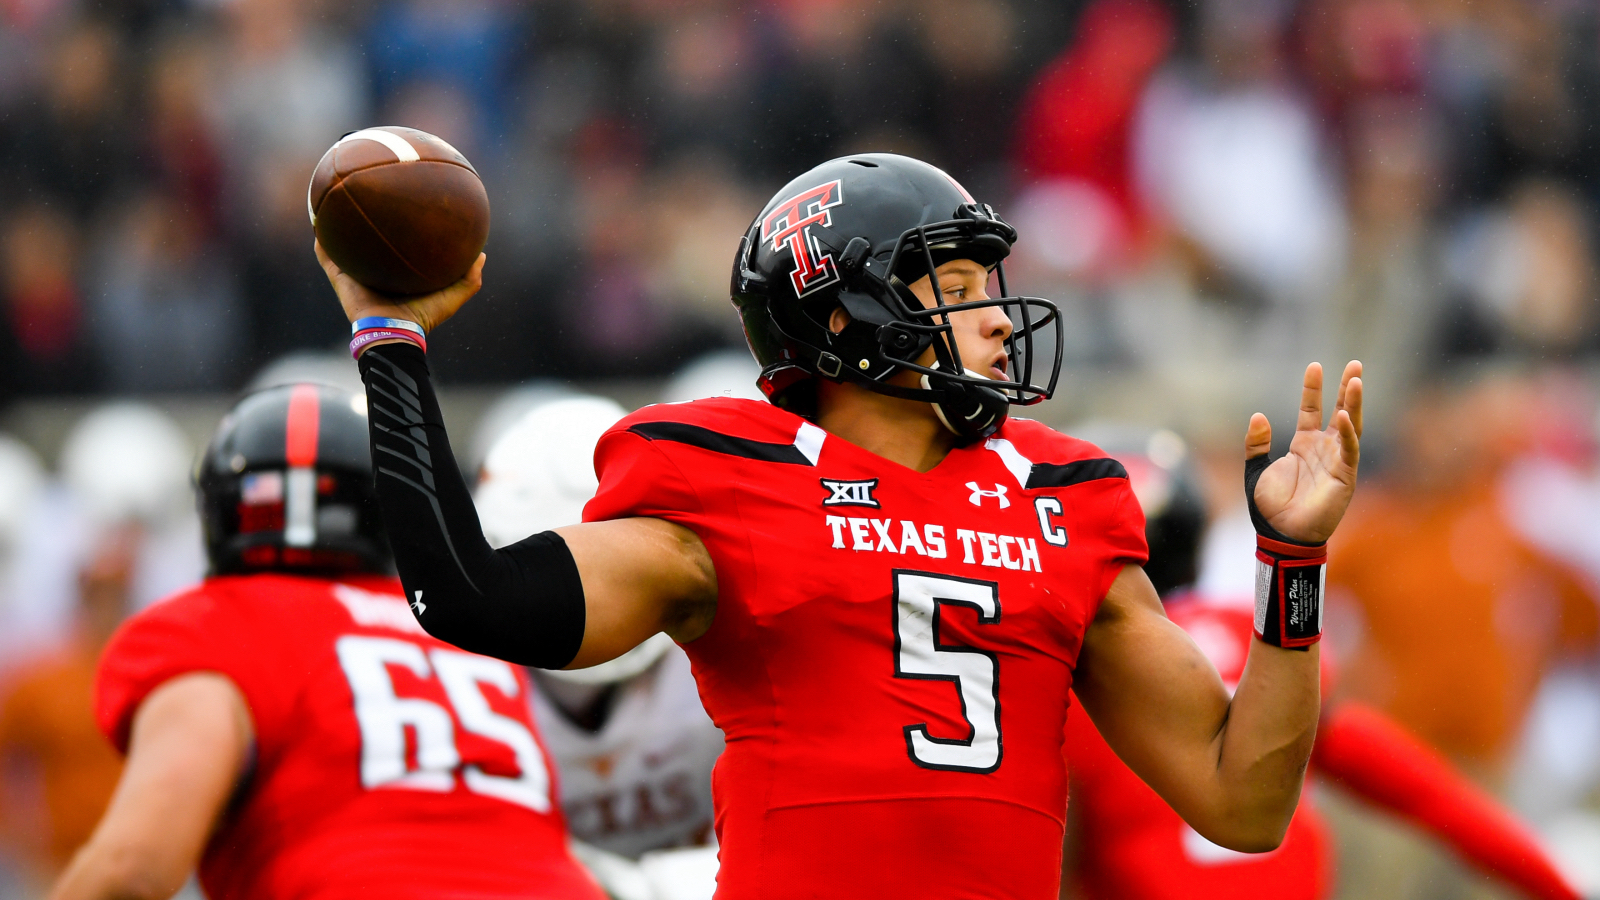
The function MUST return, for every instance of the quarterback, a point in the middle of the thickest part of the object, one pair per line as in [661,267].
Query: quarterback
[886,586]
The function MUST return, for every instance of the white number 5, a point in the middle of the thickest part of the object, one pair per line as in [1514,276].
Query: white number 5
[976,673]
[383,718]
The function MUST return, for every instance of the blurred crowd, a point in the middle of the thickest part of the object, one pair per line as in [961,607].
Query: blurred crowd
[1407,180]
[1215,192]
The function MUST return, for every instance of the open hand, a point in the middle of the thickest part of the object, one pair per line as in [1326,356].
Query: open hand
[1305,494]
[427,310]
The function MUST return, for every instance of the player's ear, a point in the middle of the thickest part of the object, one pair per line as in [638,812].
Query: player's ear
[838,320]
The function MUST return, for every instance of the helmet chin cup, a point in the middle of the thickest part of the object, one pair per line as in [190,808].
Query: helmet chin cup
[971,411]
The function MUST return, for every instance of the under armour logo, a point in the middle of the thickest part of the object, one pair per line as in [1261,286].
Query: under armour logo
[999,493]
[417,606]
[850,493]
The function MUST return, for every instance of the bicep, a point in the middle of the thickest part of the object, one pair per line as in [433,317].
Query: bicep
[187,749]
[640,576]
[1155,697]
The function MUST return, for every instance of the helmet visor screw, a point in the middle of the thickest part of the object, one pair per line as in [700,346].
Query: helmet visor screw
[864,365]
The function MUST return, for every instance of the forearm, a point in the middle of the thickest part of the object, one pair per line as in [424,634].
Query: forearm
[1265,741]
[523,603]
[104,870]
[190,740]
[1373,757]
[1231,767]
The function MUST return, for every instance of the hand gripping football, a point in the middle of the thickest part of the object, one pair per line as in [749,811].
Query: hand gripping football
[398,209]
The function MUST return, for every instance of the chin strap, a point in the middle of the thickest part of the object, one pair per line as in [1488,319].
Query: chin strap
[971,412]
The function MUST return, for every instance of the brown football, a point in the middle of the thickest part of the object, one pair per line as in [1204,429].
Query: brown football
[398,209]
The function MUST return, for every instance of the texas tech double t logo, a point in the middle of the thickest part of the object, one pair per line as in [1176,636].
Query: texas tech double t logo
[789,224]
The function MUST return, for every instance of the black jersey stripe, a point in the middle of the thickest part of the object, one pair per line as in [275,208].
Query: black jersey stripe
[1049,475]
[717,442]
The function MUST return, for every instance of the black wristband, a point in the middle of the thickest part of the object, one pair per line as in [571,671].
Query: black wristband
[1289,589]
[522,603]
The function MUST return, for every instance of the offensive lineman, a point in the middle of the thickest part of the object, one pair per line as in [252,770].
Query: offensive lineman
[287,725]
[1124,843]
[885,586]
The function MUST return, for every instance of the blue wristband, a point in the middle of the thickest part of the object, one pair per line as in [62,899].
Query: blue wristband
[367,322]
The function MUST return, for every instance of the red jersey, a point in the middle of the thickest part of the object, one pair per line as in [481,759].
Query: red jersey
[1132,846]
[386,763]
[892,650]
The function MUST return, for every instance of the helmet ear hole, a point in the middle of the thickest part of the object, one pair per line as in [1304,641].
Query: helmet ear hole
[839,319]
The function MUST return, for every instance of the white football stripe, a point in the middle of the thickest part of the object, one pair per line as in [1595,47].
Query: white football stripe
[809,441]
[402,148]
[1020,466]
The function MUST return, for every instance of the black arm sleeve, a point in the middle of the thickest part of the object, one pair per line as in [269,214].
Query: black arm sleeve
[522,603]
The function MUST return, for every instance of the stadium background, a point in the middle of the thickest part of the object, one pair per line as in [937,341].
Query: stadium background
[1216,192]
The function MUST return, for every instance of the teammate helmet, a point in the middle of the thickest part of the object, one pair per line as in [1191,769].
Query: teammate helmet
[856,232]
[720,373]
[1162,475]
[128,462]
[21,483]
[286,485]
[540,472]
[537,476]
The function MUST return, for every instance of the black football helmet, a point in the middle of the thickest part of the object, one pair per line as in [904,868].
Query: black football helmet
[856,232]
[286,485]
[1162,474]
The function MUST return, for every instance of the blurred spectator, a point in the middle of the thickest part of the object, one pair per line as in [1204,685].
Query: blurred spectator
[47,726]
[288,89]
[166,312]
[467,49]
[43,338]
[73,149]
[1233,155]
[185,148]
[285,90]
[1526,274]
[1076,126]
[1454,616]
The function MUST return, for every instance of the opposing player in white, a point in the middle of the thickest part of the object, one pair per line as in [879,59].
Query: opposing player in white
[630,739]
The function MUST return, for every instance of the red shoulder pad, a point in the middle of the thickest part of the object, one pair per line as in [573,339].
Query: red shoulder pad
[170,638]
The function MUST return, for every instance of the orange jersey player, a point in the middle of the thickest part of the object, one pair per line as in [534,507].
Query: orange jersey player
[1126,843]
[886,586]
[288,726]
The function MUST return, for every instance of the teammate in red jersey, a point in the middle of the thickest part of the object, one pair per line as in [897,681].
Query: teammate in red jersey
[885,586]
[287,724]
[1125,843]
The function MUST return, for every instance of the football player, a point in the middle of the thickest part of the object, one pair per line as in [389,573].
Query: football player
[288,727]
[1125,843]
[629,737]
[886,586]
